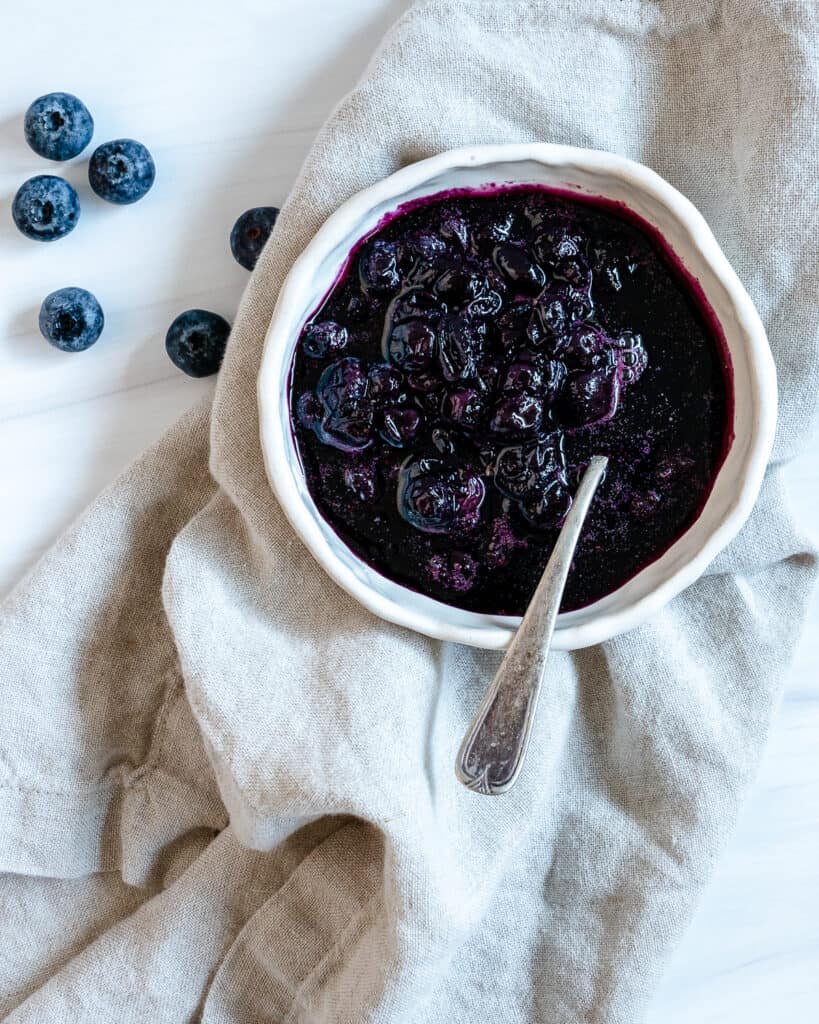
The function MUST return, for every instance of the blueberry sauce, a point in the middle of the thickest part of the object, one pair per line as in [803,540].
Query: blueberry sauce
[477,349]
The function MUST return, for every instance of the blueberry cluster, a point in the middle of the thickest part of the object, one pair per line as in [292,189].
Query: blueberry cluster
[58,126]
[489,353]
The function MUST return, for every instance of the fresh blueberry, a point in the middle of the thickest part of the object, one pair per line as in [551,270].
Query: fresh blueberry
[434,498]
[250,232]
[45,208]
[326,338]
[196,342]
[121,171]
[519,268]
[58,126]
[71,319]
[400,425]
[411,345]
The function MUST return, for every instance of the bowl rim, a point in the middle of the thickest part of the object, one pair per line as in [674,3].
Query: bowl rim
[495,632]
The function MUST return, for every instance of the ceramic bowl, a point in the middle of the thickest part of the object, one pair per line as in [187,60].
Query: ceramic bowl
[586,172]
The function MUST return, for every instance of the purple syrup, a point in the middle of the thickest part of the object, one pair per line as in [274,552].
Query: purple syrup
[478,347]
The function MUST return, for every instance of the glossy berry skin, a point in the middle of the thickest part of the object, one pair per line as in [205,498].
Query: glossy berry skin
[46,208]
[71,319]
[121,171]
[325,338]
[196,342]
[58,126]
[250,234]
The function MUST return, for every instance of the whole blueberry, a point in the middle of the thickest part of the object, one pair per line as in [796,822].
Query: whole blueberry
[71,319]
[121,171]
[196,342]
[250,232]
[45,208]
[58,126]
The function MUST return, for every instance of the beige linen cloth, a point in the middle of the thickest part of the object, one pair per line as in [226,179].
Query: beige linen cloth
[227,791]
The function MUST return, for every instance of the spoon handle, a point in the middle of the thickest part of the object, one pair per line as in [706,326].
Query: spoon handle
[493,749]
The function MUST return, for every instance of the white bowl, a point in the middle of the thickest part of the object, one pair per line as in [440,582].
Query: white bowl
[583,171]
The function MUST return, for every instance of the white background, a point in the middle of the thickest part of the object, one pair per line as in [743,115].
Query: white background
[228,98]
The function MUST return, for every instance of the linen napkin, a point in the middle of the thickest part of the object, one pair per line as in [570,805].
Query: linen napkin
[227,791]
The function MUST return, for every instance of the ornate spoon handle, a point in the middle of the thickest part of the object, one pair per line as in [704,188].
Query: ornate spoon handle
[493,749]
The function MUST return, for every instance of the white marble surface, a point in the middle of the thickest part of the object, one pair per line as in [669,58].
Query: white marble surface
[228,98]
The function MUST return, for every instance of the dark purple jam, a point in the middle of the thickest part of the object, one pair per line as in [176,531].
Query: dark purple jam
[478,348]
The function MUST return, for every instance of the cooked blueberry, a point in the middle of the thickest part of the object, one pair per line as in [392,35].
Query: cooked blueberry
[548,509]
[462,406]
[310,410]
[535,373]
[363,481]
[400,425]
[250,233]
[498,229]
[459,282]
[461,344]
[557,306]
[444,441]
[414,304]
[524,471]
[343,389]
[516,264]
[488,303]
[378,267]
[556,243]
[455,571]
[426,244]
[71,319]
[454,229]
[516,415]
[587,347]
[425,382]
[436,499]
[58,126]
[45,208]
[121,171]
[590,398]
[513,321]
[196,342]
[386,383]
[573,269]
[411,345]
[325,338]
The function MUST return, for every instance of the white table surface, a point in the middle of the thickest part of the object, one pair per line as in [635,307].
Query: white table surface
[228,99]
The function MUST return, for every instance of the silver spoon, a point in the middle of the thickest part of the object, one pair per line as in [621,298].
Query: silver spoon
[494,747]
